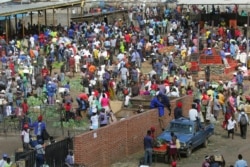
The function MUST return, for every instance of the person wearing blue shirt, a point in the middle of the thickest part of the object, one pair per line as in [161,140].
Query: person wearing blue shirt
[165,101]
[156,103]
[39,126]
[71,33]
[148,147]
[4,62]
[69,160]
[240,162]
[51,89]
[233,50]
[209,52]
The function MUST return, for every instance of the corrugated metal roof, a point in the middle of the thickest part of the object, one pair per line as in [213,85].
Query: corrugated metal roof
[214,2]
[22,8]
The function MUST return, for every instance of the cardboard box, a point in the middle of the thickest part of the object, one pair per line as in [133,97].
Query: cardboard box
[20,163]
[247,109]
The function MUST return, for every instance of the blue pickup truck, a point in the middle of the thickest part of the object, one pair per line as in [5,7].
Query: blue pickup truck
[191,134]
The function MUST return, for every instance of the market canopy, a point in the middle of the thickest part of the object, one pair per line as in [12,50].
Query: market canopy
[13,9]
[213,2]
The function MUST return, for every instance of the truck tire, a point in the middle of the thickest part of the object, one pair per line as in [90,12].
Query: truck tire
[205,143]
[189,151]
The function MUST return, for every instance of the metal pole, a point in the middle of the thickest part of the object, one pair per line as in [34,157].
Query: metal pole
[247,38]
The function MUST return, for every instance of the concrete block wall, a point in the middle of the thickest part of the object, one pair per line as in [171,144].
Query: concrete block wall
[106,145]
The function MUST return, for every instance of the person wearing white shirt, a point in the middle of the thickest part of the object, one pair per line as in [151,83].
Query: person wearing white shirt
[174,93]
[94,119]
[231,125]
[3,161]
[32,41]
[77,62]
[25,137]
[193,113]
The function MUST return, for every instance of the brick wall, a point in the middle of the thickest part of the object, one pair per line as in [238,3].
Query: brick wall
[106,145]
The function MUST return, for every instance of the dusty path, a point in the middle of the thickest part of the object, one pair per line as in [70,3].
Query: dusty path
[218,144]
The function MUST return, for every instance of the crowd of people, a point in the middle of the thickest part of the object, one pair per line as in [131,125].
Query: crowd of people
[108,57]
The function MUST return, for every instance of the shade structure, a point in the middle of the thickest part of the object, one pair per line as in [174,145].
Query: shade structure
[214,2]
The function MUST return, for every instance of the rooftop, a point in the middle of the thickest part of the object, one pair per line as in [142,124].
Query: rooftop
[17,8]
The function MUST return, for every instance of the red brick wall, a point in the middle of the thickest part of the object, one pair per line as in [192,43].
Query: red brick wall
[120,139]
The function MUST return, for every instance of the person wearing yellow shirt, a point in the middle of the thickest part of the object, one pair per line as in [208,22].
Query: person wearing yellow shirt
[183,55]
[95,55]
[207,34]
[222,101]
[210,91]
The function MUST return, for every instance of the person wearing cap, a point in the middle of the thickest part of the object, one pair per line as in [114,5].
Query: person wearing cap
[152,129]
[206,162]
[51,90]
[72,64]
[94,120]
[148,147]
[178,110]
[25,134]
[209,52]
[3,161]
[39,126]
[44,71]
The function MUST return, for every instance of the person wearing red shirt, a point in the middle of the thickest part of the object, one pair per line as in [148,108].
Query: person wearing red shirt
[12,68]
[67,108]
[127,39]
[45,71]
[154,86]
[41,39]
[25,107]
[72,64]
[237,32]
[221,31]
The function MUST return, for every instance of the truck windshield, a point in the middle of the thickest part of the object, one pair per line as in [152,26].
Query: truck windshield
[182,128]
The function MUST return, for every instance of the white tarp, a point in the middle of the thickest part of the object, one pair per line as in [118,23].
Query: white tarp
[213,2]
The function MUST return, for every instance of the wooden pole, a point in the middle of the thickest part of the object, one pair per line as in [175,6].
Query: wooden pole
[31,19]
[6,29]
[38,22]
[45,17]
[53,16]
[9,26]
[16,24]
[68,15]
[23,28]
[23,25]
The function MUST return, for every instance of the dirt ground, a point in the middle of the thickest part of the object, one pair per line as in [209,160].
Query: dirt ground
[218,144]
